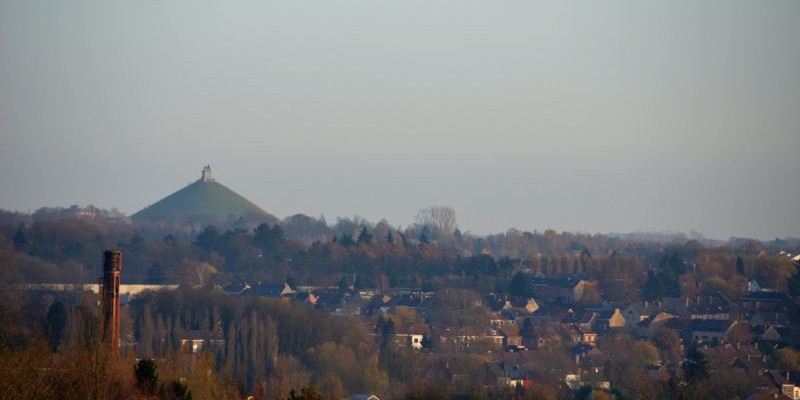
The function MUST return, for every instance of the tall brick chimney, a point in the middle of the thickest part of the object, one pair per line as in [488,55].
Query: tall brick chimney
[109,290]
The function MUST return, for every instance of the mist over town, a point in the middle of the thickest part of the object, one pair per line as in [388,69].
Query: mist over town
[399,200]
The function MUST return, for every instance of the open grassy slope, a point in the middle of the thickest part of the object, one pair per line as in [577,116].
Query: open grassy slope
[203,202]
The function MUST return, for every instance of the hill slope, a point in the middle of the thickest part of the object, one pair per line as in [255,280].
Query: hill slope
[203,202]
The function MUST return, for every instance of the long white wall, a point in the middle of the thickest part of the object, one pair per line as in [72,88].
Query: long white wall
[126,291]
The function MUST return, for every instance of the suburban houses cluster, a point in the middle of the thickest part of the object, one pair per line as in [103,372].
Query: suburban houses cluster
[516,331]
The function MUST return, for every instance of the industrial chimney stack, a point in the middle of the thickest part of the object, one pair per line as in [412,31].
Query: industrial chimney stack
[112,266]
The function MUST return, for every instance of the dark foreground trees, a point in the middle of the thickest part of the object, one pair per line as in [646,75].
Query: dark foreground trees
[265,346]
[81,366]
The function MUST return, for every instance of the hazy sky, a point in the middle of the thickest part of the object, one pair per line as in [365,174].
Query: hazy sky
[581,116]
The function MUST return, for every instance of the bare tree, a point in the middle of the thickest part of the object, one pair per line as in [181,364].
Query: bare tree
[440,219]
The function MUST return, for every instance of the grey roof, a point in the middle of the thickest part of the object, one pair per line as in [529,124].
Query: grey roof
[710,309]
[764,296]
[361,396]
[256,289]
[605,315]
[235,288]
[709,325]
[266,289]
[569,282]
[507,369]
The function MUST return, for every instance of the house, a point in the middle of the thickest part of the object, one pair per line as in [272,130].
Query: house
[707,307]
[767,318]
[274,290]
[788,383]
[710,311]
[456,370]
[509,375]
[362,396]
[702,307]
[518,311]
[339,303]
[791,391]
[545,338]
[719,357]
[511,338]
[609,319]
[412,336]
[652,324]
[752,286]
[597,319]
[502,318]
[771,333]
[635,313]
[709,330]
[678,306]
[763,301]
[575,382]
[417,301]
[583,321]
[521,305]
[382,304]
[588,337]
[589,358]
[531,306]
[563,290]
[235,288]
[467,337]
[193,342]
[307,299]
[750,358]
[595,360]
[492,337]
[746,358]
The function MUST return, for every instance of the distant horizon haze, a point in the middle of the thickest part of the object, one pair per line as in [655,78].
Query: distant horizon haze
[411,220]
[619,117]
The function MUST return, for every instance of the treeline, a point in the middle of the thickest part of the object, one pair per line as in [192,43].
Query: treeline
[355,253]
[60,355]
[265,346]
